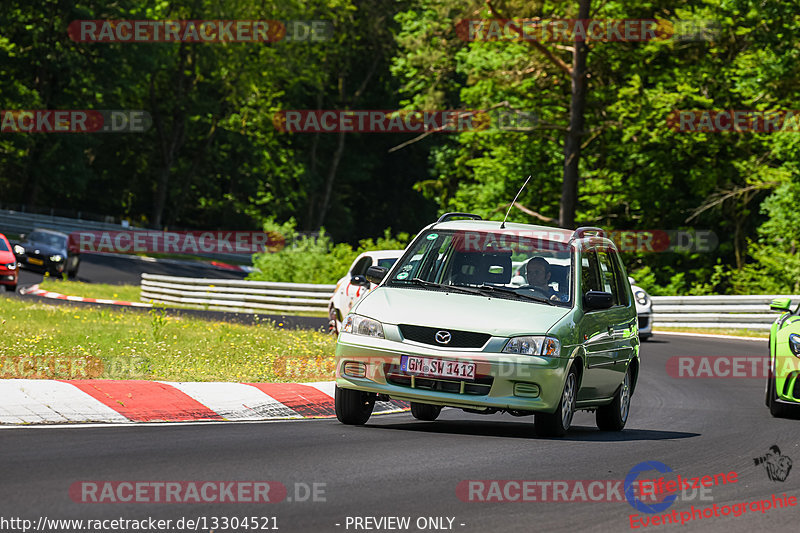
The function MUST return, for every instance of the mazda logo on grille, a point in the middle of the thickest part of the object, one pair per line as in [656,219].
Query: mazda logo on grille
[443,337]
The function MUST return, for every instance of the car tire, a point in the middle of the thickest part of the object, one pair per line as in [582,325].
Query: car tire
[11,288]
[612,417]
[556,424]
[353,407]
[425,411]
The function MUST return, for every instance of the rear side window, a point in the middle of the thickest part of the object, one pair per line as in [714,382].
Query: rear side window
[608,276]
[590,280]
[622,279]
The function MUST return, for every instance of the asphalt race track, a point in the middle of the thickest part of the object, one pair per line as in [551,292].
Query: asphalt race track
[396,466]
[127,270]
[118,269]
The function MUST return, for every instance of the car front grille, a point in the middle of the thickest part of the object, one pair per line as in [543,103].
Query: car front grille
[644,321]
[480,386]
[458,339]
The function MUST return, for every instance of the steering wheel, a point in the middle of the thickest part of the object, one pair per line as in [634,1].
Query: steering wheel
[536,289]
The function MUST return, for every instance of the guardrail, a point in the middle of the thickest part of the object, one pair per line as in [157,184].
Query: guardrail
[737,312]
[236,295]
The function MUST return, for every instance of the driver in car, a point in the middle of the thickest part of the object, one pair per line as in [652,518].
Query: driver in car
[538,273]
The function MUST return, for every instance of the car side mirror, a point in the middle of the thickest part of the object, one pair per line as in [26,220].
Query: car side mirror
[593,300]
[780,304]
[375,274]
[631,280]
[359,281]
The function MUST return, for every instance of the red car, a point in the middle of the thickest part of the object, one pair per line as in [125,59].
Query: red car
[8,265]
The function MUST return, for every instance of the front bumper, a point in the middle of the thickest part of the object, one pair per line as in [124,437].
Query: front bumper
[786,373]
[8,277]
[502,381]
[645,324]
[46,266]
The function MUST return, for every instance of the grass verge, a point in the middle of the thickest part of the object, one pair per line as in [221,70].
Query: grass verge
[755,333]
[38,340]
[126,293]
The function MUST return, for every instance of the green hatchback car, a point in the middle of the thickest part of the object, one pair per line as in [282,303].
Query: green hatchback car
[783,385]
[448,326]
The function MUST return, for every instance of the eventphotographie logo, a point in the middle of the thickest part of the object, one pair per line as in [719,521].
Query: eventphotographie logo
[777,465]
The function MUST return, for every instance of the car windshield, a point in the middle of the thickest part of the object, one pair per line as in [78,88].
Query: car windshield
[488,263]
[3,246]
[49,239]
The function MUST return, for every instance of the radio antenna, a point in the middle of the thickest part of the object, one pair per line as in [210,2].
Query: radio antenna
[503,225]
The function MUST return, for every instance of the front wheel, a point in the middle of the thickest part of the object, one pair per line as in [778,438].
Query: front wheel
[353,407]
[612,417]
[425,411]
[556,424]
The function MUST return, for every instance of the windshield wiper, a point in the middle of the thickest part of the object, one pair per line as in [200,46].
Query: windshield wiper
[506,290]
[454,288]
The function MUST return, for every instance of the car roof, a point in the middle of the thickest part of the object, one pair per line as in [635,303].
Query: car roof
[487,225]
[525,230]
[384,254]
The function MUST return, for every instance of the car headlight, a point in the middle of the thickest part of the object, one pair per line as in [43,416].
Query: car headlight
[538,345]
[19,250]
[56,258]
[794,344]
[11,266]
[361,325]
[641,297]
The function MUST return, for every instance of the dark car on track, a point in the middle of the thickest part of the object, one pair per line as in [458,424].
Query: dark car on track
[8,265]
[46,250]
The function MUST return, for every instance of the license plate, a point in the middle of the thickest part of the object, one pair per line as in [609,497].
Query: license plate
[34,261]
[439,368]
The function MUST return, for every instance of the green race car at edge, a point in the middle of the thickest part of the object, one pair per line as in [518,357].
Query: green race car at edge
[783,386]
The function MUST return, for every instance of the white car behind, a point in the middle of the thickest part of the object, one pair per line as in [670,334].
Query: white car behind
[644,309]
[352,287]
